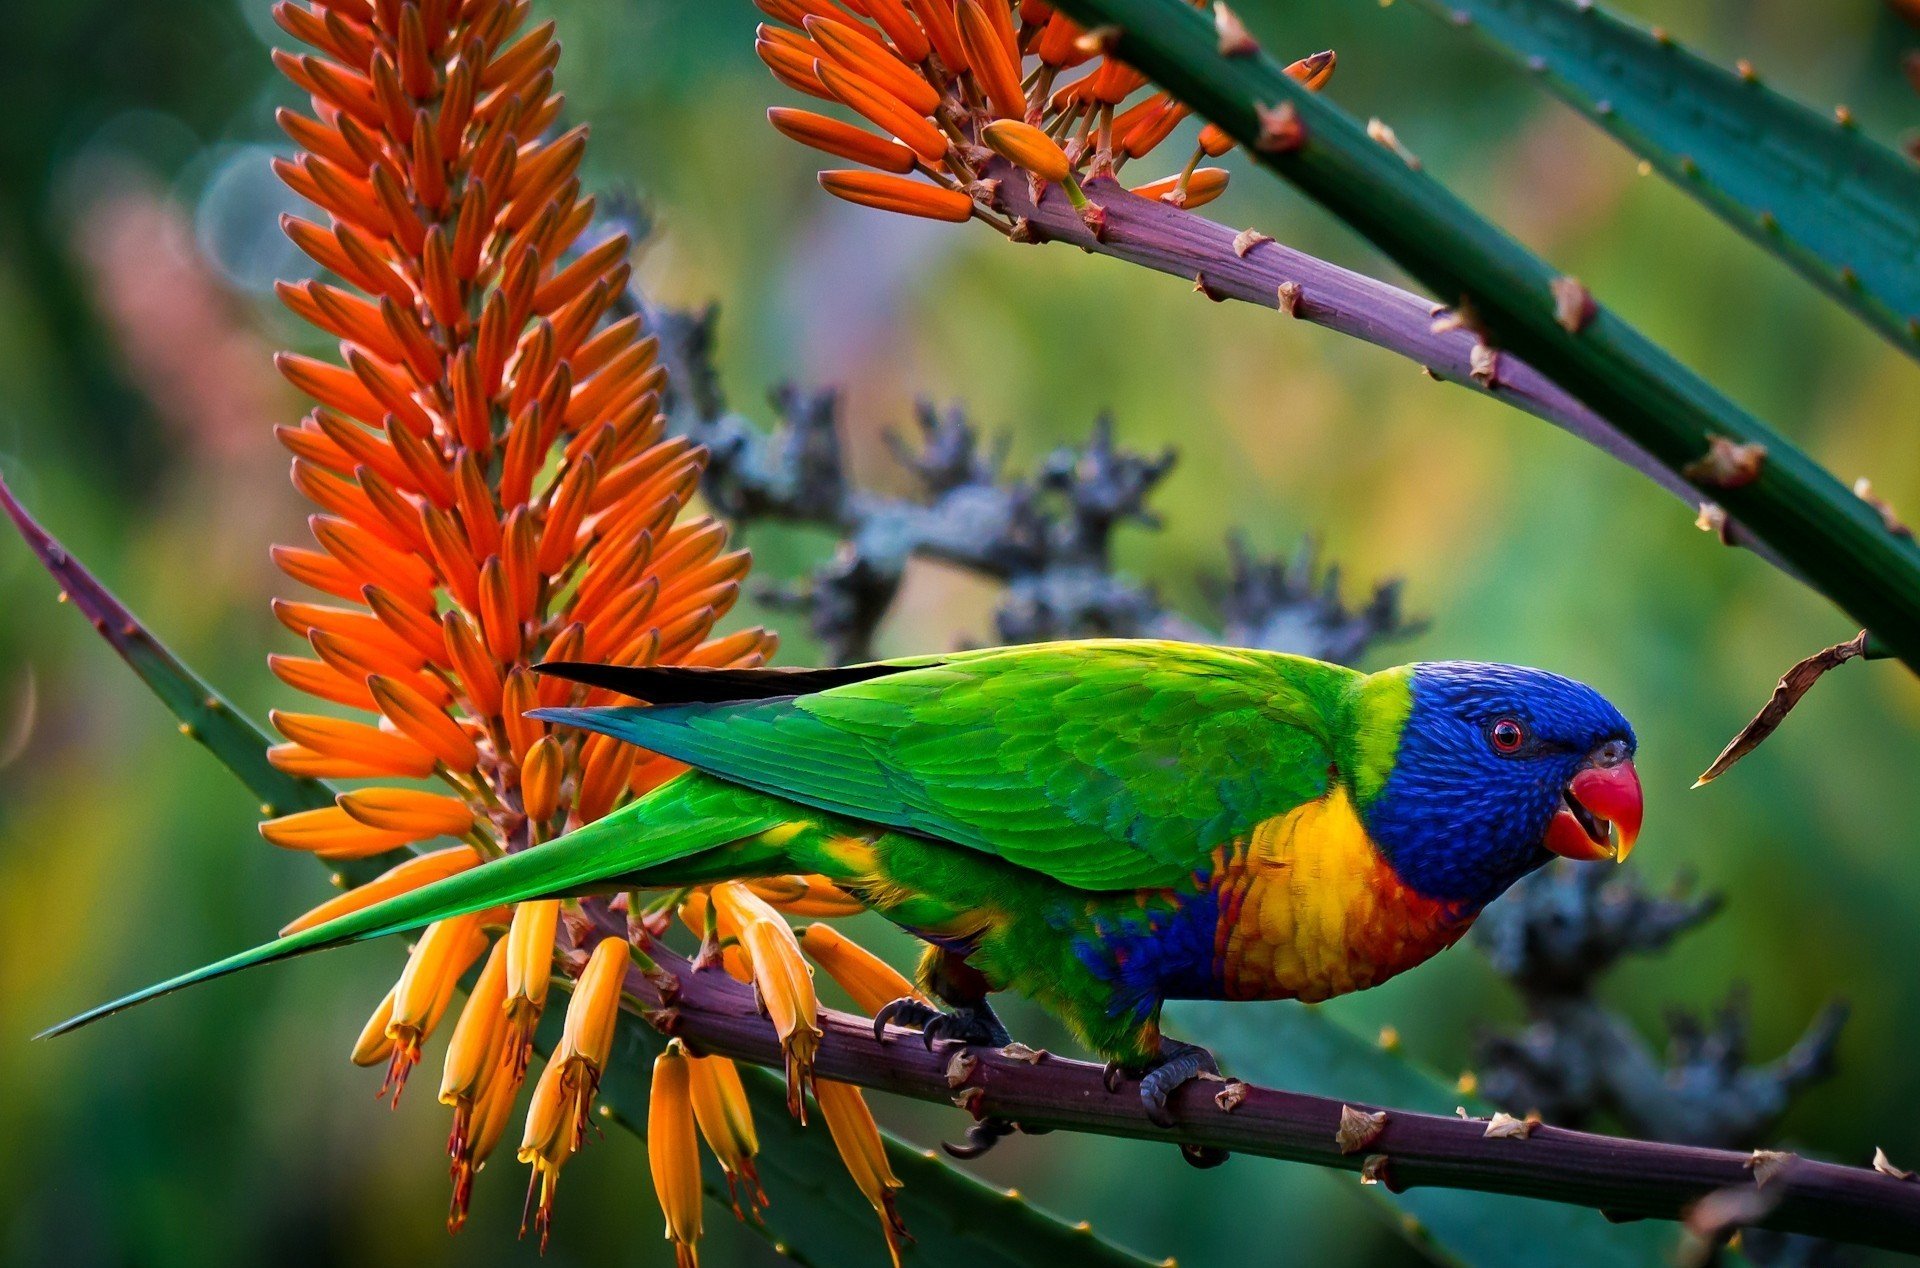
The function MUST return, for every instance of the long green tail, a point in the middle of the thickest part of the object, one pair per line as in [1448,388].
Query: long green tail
[682,818]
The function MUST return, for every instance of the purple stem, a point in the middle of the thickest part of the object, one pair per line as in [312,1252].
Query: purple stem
[1160,236]
[1625,1179]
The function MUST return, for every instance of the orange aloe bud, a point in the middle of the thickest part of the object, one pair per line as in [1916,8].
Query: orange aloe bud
[943,32]
[1153,128]
[671,1153]
[474,1138]
[1113,81]
[446,950]
[995,64]
[814,896]
[415,814]
[1202,187]
[784,984]
[898,194]
[908,38]
[529,970]
[373,1046]
[595,1005]
[726,1123]
[475,1049]
[1059,44]
[864,1154]
[883,110]
[870,980]
[332,833]
[424,722]
[865,56]
[1026,146]
[792,68]
[1214,140]
[516,699]
[1314,71]
[421,869]
[355,741]
[547,1143]
[842,140]
[540,777]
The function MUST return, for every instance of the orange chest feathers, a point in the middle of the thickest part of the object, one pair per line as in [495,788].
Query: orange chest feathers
[1308,910]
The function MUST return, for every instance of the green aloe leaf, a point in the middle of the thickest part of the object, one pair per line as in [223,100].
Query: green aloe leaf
[1822,531]
[1304,1049]
[205,715]
[1838,206]
[817,1216]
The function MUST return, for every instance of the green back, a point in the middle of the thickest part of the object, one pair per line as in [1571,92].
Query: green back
[1103,764]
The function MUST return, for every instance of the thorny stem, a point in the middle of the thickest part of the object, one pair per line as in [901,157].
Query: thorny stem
[1839,544]
[1626,1179]
[1160,236]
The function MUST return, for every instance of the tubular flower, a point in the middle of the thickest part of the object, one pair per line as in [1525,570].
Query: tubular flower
[563,1097]
[870,980]
[479,1080]
[857,1137]
[782,981]
[945,85]
[492,486]
[671,1154]
[726,1124]
[446,950]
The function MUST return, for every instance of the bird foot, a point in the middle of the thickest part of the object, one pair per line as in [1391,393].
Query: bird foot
[971,1024]
[1178,1064]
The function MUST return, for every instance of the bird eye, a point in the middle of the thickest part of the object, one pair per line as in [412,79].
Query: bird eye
[1507,735]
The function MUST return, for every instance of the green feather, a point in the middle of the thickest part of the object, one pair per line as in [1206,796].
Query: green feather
[680,819]
[1104,765]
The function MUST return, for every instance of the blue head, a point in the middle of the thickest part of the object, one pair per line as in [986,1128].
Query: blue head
[1497,769]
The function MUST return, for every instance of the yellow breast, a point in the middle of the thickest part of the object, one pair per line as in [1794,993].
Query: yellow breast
[1310,910]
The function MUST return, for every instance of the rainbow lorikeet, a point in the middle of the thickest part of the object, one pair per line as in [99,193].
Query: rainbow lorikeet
[1099,825]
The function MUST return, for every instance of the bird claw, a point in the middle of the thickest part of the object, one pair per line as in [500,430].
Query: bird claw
[906,1012]
[981,1137]
[976,1025]
[1179,1064]
[1203,1157]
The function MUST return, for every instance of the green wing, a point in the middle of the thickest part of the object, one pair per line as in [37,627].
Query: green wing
[1106,765]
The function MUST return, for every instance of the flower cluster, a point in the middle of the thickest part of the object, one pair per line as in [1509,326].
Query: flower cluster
[495,487]
[953,84]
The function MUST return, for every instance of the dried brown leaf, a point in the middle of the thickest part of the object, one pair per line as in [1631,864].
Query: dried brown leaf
[1767,1164]
[961,1068]
[1289,295]
[1727,464]
[1229,1097]
[1234,40]
[1246,240]
[1020,1052]
[1884,1165]
[1793,684]
[1358,1129]
[1281,131]
[1863,489]
[1713,519]
[1504,1126]
[1573,305]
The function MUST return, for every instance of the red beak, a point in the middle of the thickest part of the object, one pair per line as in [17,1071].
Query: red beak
[1601,801]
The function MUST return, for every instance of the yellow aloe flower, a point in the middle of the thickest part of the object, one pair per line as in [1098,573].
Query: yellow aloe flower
[671,1154]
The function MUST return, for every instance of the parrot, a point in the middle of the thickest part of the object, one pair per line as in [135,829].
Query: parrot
[1099,825]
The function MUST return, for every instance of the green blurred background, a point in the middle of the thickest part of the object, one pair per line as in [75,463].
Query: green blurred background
[137,247]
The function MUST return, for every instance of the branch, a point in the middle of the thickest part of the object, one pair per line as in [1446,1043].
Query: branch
[1626,1179]
[1832,537]
[1167,239]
